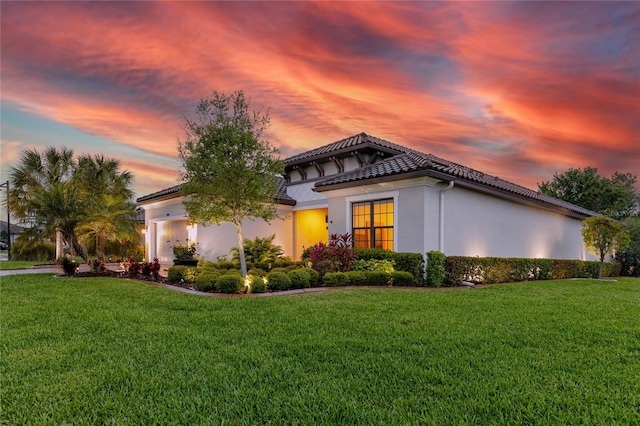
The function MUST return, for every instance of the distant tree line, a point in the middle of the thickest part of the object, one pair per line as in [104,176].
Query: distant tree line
[615,198]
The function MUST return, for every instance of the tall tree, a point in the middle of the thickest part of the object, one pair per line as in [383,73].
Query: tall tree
[229,169]
[615,197]
[603,236]
[68,197]
[43,195]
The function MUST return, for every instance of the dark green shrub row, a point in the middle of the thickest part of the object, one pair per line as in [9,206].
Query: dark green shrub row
[436,271]
[369,278]
[281,280]
[265,266]
[490,270]
[182,273]
[407,262]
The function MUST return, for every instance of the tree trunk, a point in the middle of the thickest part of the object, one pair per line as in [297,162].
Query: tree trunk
[601,263]
[59,245]
[243,262]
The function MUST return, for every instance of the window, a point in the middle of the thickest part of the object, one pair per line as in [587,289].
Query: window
[373,224]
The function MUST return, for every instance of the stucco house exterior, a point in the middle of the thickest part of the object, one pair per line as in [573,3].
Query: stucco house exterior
[386,196]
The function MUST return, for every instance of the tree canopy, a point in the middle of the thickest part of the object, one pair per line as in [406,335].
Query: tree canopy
[615,197]
[603,236]
[82,200]
[229,169]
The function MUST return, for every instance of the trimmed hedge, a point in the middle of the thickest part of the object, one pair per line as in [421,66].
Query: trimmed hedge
[407,262]
[436,272]
[258,285]
[489,270]
[230,284]
[335,279]
[402,279]
[178,273]
[299,278]
[207,281]
[278,281]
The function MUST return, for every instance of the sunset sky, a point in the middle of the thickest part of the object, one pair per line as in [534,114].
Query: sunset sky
[515,89]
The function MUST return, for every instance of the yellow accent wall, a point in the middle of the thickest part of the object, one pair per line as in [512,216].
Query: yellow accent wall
[310,228]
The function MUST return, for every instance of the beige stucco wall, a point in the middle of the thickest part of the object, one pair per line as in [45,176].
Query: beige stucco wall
[166,225]
[475,224]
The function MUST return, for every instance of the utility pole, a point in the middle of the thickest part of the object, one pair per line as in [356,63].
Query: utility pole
[8,221]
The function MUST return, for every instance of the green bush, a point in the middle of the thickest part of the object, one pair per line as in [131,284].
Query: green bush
[379,278]
[408,262]
[207,281]
[256,272]
[32,250]
[314,276]
[230,284]
[299,278]
[176,273]
[357,278]
[436,262]
[335,279]
[499,270]
[383,265]
[257,284]
[402,279]
[278,281]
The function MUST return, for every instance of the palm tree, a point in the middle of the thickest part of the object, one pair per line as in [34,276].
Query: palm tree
[89,197]
[43,194]
[110,213]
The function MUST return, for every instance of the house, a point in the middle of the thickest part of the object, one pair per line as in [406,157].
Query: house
[388,196]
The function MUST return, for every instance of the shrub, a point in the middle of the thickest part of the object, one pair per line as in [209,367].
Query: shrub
[379,278]
[98,267]
[155,269]
[314,276]
[69,267]
[207,281]
[299,278]
[336,256]
[402,279]
[435,268]
[33,250]
[408,262]
[259,250]
[185,252]
[132,267]
[180,273]
[257,272]
[258,285]
[383,265]
[335,279]
[357,278]
[279,281]
[230,284]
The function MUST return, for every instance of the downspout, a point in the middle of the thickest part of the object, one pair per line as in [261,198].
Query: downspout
[451,183]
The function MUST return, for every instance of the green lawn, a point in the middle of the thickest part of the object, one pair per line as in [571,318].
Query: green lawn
[106,351]
[19,264]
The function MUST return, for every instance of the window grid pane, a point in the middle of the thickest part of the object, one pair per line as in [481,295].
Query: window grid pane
[373,218]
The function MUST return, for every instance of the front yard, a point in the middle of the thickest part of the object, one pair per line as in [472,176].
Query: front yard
[108,351]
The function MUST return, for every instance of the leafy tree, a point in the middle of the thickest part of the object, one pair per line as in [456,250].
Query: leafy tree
[64,197]
[603,235]
[229,170]
[629,258]
[615,197]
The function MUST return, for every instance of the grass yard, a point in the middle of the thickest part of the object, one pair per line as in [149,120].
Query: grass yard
[106,351]
[19,264]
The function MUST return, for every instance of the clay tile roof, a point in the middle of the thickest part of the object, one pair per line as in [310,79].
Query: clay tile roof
[361,139]
[175,191]
[413,161]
